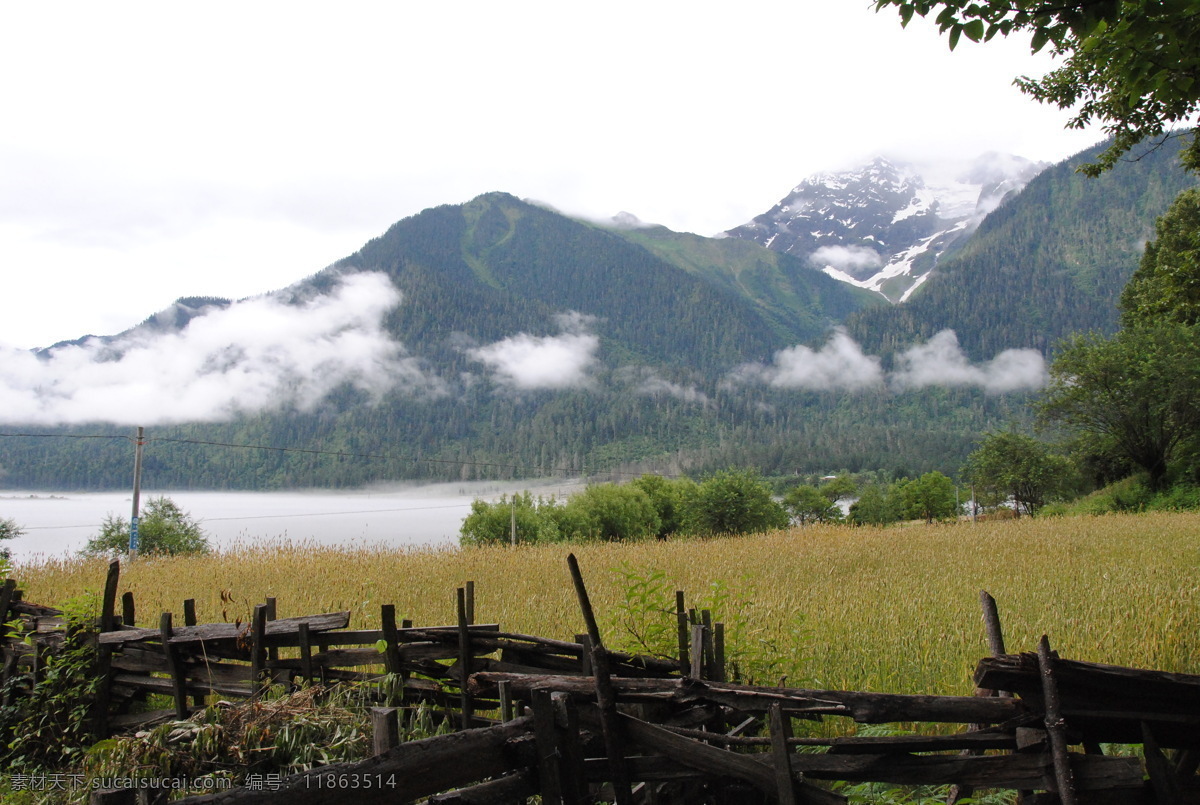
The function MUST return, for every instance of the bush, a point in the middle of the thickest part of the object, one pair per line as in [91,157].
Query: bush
[614,513]
[163,529]
[537,520]
[734,502]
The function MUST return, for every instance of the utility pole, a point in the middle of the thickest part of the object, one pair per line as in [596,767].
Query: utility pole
[514,520]
[137,491]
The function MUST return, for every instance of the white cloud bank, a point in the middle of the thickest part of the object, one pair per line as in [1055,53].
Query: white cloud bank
[529,362]
[941,362]
[255,355]
[841,365]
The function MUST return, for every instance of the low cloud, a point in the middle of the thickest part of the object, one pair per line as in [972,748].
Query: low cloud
[645,380]
[258,354]
[528,362]
[840,364]
[941,362]
[846,258]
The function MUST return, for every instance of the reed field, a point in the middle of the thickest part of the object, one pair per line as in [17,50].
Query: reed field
[893,609]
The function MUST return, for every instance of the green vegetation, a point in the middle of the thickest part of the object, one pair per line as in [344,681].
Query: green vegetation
[163,530]
[1016,467]
[730,502]
[8,530]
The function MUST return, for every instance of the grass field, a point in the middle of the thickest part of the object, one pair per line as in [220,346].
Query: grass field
[869,609]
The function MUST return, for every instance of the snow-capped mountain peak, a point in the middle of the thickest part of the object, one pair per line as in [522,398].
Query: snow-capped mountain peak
[883,226]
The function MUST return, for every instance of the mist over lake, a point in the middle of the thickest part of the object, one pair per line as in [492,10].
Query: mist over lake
[58,524]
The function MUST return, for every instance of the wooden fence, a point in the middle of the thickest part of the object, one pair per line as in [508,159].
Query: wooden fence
[573,722]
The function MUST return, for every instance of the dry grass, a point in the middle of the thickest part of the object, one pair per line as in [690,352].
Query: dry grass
[889,610]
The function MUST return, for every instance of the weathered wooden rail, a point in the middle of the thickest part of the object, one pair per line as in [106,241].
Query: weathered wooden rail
[574,723]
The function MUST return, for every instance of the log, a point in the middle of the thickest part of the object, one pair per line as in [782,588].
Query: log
[230,631]
[516,787]
[710,760]
[871,708]
[410,771]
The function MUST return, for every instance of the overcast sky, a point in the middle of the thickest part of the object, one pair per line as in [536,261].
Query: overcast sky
[156,150]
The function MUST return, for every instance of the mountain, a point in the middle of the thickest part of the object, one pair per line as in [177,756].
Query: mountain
[1049,261]
[498,339]
[884,226]
[496,266]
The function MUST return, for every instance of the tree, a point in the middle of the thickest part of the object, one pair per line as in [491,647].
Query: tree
[1135,395]
[1012,465]
[9,530]
[668,497]
[877,505]
[163,529]
[809,505]
[930,497]
[1131,65]
[1166,285]
[734,502]
[492,523]
[614,513]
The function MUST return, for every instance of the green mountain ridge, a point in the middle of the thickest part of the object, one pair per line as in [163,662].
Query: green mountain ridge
[674,315]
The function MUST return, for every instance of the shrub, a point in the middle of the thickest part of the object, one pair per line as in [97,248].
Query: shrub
[163,529]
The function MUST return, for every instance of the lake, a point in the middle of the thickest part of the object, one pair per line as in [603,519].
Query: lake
[59,523]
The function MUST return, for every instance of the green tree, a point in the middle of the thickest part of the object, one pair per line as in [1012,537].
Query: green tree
[930,497]
[1131,65]
[1166,285]
[614,513]
[163,529]
[810,505]
[1135,396]
[734,502]
[841,487]
[9,530]
[492,523]
[1016,466]
[668,497]
[877,505]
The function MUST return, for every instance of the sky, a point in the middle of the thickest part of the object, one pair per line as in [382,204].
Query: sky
[151,151]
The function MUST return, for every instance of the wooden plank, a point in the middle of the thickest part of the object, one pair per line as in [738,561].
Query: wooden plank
[391,654]
[548,750]
[681,634]
[714,761]
[464,658]
[258,648]
[6,597]
[385,725]
[108,602]
[1166,785]
[232,631]
[566,716]
[127,610]
[606,701]
[781,731]
[1055,726]
[864,707]
[698,642]
[178,682]
[516,787]
[306,663]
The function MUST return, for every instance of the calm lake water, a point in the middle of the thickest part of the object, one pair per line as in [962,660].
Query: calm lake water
[59,523]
